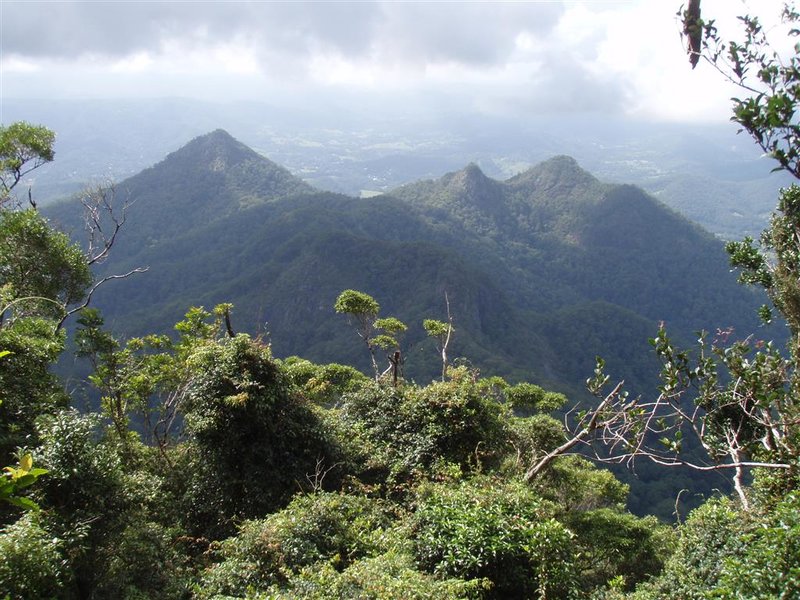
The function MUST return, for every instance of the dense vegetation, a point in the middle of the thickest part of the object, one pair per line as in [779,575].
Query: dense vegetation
[213,469]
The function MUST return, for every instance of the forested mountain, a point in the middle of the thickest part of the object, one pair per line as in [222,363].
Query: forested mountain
[190,457]
[706,172]
[543,271]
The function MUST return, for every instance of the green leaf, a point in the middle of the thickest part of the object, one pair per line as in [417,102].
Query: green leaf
[25,503]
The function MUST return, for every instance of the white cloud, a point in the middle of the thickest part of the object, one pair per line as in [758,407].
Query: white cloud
[612,56]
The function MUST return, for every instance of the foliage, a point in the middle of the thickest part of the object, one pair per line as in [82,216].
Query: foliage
[498,530]
[321,529]
[773,263]
[404,431]
[768,77]
[23,148]
[769,565]
[253,441]
[735,402]
[323,384]
[363,309]
[704,542]
[33,564]
[28,388]
[442,332]
[575,485]
[385,577]
[527,396]
[42,271]
[86,496]
[360,306]
[149,377]
[85,476]
[16,479]
[611,543]
[144,562]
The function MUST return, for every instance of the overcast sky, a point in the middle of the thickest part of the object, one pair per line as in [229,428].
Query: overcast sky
[619,57]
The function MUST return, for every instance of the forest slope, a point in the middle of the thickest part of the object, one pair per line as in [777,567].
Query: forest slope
[543,271]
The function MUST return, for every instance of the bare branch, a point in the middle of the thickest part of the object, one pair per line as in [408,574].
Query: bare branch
[88,299]
[591,426]
[102,219]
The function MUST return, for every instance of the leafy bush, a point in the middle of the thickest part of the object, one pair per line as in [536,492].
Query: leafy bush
[253,442]
[386,577]
[323,384]
[85,494]
[31,561]
[498,530]
[404,431]
[331,528]
[28,387]
[769,566]
[576,484]
[85,480]
[144,562]
[709,536]
[616,545]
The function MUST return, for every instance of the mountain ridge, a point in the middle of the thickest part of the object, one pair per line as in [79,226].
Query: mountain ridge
[543,272]
[547,239]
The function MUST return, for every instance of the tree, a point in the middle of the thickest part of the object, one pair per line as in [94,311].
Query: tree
[252,439]
[363,309]
[23,148]
[42,272]
[768,78]
[442,332]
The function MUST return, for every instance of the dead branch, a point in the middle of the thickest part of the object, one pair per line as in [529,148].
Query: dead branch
[102,219]
[590,427]
[97,284]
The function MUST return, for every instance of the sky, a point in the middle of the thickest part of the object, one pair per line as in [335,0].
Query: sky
[621,58]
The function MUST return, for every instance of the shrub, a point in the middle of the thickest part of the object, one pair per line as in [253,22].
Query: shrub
[253,441]
[496,530]
[31,561]
[404,431]
[710,535]
[331,528]
[390,576]
[769,566]
[616,545]
[323,384]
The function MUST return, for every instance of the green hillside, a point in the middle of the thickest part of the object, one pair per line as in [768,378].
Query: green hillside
[209,468]
[544,271]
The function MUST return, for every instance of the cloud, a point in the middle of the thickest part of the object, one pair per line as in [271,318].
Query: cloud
[525,57]
[470,33]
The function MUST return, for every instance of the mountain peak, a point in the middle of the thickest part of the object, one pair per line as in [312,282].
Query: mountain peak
[215,151]
[237,171]
[470,180]
[559,171]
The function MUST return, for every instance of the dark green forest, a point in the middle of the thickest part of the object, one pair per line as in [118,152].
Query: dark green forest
[399,397]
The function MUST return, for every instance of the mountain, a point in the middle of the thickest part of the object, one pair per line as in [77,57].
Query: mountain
[543,271]
[566,239]
[708,173]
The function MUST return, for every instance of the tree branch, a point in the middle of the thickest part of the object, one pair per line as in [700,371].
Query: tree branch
[88,299]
